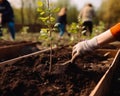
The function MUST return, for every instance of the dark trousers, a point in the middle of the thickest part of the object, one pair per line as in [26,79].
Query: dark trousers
[88,25]
[11,27]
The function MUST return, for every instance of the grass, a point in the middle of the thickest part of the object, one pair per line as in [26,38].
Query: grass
[29,36]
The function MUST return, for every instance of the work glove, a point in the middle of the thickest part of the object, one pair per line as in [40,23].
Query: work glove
[56,24]
[83,47]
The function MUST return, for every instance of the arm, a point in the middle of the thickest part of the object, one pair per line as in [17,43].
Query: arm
[113,34]
[8,9]
[89,45]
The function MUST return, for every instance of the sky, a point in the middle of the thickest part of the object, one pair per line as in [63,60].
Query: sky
[81,3]
[15,2]
[78,3]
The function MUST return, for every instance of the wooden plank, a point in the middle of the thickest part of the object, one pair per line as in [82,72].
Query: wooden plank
[12,50]
[102,88]
[11,61]
[111,51]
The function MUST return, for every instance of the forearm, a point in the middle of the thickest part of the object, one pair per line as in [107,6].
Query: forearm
[113,34]
[105,38]
[86,46]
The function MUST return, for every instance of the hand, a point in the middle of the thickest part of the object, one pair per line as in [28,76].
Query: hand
[83,47]
[78,49]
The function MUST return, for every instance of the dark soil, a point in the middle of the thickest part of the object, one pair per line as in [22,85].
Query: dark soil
[115,85]
[31,76]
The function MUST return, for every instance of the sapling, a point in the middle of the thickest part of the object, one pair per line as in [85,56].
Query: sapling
[46,12]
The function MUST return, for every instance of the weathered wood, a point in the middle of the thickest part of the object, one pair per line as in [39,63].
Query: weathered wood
[12,50]
[25,56]
[103,86]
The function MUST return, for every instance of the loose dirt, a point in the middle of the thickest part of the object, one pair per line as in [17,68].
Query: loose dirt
[31,76]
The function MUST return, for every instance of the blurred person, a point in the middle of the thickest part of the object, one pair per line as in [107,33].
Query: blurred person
[86,16]
[62,22]
[87,46]
[7,17]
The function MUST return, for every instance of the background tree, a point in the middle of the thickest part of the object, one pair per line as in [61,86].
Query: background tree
[22,12]
[27,14]
[72,11]
[72,14]
[109,12]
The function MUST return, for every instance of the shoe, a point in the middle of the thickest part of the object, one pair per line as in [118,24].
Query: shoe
[83,28]
[84,32]
[57,24]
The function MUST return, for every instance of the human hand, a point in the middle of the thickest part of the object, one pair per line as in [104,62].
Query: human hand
[78,49]
[83,47]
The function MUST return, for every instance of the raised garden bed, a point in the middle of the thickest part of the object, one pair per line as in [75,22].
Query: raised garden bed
[10,50]
[31,77]
[115,82]
[4,43]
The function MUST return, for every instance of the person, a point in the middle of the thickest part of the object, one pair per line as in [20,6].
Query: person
[62,22]
[83,47]
[7,17]
[86,15]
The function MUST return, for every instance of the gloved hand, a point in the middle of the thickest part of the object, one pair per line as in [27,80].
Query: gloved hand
[83,47]
[56,24]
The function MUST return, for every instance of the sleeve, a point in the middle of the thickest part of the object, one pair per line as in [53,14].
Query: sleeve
[8,10]
[115,30]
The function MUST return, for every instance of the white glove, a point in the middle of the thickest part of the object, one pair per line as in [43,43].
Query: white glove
[83,47]
[57,24]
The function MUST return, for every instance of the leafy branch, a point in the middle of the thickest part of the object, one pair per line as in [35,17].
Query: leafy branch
[46,16]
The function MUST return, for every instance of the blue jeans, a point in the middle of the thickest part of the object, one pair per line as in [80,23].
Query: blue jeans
[61,28]
[11,27]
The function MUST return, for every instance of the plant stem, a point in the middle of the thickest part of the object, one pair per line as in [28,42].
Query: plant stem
[50,67]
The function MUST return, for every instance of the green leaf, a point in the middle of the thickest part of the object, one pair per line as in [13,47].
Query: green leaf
[56,10]
[44,30]
[52,19]
[39,10]
[42,13]
[40,4]
[44,19]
